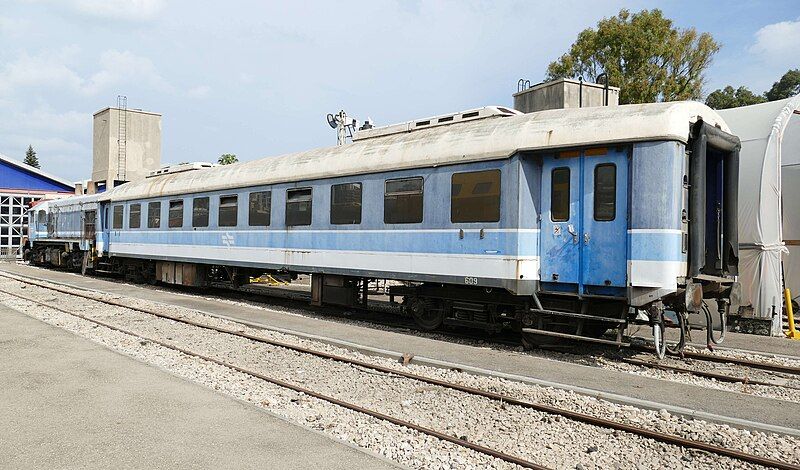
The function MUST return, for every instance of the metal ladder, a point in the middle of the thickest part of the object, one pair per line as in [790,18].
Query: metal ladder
[122,136]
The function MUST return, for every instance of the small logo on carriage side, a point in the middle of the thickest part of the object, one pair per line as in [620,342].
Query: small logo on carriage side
[228,240]
[556,230]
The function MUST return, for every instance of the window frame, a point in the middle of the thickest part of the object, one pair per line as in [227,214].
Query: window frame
[348,221]
[138,219]
[235,211]
[499,196]
[154,204]
[250,212]
[421,193]
[207,215]
[553,191]
[613,193]
[310,201]
[169,213]
[114,225]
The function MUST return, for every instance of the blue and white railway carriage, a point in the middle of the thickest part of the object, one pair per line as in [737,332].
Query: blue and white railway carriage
[65,232]
[556,222]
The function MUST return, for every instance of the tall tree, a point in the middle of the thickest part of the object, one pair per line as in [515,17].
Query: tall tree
[30,157]
[729,97]
[787,86]
[643,54]
[227,159]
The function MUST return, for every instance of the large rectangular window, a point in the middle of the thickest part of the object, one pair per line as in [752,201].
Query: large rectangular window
[200,212]
[559,195]
[135,216]
[153,215]
[475,196]
[346,203]
[116,223]
[228,211]
[176,214]
[298,207]
[402,201]
[605,192]
[260,209]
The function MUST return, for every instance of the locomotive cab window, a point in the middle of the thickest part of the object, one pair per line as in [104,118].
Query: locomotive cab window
[42,217]
[298,207]
[346,203]
[402,201]
[153,215]
[175,214]
[135,216]
[117,217]
[228,209]
[605,192]
[200,212]
[559,195]
[475,196]
[260,208]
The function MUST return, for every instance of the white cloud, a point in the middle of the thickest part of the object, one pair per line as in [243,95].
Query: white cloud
[778,43]
[124,67]
[13,27]
[200,91]
[130,10]
[44,70]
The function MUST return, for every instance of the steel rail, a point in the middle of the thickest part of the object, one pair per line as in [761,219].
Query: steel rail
[733,360]
[375,414]
[574,415]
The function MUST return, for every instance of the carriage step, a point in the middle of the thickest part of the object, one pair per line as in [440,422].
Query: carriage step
[575,337]
[578,315]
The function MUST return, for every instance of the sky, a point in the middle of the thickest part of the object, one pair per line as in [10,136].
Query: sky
[257,78]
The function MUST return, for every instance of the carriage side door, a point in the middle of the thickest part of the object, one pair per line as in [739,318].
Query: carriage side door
[561,222]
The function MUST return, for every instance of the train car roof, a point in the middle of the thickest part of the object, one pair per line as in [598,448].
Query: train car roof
[487,139]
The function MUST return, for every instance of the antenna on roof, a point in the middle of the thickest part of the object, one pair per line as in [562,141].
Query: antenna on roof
[344,125]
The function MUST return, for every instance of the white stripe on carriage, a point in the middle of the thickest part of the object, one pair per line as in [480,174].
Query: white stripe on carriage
[655,230]
[486,266]
[662,274]
[301,230]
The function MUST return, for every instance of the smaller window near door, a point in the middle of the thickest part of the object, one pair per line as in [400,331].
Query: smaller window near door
[135,216]
[153,215]
[117,222]
[200,212]
[559,195]
[228,209]
[605,192]
[175,214]
[298,207]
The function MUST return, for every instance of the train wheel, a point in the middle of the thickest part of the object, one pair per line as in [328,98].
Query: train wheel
[426,317]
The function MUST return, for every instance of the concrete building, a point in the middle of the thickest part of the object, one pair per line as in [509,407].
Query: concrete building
[126,146]
[20,186]
[564,93]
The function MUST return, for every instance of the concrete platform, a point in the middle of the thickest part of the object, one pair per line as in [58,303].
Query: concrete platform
[70,403]
[736,406]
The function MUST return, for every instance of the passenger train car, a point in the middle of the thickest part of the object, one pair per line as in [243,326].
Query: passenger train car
[563,224]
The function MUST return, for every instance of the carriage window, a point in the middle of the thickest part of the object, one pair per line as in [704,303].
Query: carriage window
[298,207]
[200,212]
[175,214]
[154,215]
[559,195]
[605,192]
[117,221]
[260,207]
[135,216]
[346,203]
[42,217]
[475,196]
[228,208]
[402,201]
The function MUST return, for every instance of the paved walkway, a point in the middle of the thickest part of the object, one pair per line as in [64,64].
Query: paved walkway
[68,402]
[728,404]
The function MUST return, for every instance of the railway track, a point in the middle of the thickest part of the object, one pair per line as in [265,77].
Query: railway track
[507,400]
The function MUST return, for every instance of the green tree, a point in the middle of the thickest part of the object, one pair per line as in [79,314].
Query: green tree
[643,54]
[729,97]
[30,157]
[787,86]
[227,159]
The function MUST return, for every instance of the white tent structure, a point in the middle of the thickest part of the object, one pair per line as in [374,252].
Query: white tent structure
[769,205]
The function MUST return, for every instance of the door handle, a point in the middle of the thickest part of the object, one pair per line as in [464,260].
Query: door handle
[586,238]
[573,232]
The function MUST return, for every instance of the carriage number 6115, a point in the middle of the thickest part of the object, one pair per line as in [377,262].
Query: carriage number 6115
[471,281]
